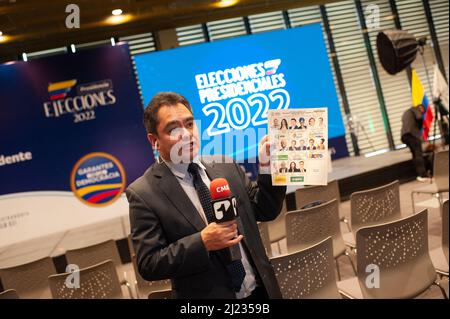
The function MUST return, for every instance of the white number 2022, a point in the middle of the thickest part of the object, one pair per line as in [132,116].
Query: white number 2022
[237,113]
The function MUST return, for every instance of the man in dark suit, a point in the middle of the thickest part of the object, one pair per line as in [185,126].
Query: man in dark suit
[171,228]
[411,135]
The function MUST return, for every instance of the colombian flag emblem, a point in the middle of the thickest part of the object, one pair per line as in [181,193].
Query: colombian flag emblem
[59,90]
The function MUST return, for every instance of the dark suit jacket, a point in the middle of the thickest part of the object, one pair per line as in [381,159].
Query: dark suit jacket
[165,230]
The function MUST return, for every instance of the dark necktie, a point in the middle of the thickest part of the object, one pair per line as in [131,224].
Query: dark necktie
[235,269]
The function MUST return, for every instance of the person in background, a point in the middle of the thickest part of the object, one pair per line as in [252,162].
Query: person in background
[411,135]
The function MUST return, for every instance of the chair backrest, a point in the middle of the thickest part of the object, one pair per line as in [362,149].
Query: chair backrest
[145,287]
[160,294]
[308,273]
[375,206]
[445,229]
[309,194]
[91,255]
[95,282]
[9,294]
[264,234]
[306,227]
[440,169]
[276,227]
[29,280]
[393,258]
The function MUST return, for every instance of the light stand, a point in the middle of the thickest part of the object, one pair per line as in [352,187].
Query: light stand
[444,114]
[367,136]
[353,125]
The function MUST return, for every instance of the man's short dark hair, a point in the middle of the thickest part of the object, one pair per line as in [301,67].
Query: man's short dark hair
[159,100]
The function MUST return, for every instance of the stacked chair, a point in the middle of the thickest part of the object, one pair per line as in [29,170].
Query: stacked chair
[264,234]
[307,273]
[158,289]
[99,281]
[95,254]
[439,255]
[372,207]
[95,274]
[29,280]
[9,294]
[306,227]
[276,229]
[392,261]
[309,194]
[439,184]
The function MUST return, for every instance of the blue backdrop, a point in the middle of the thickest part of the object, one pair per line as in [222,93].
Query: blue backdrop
[64,107]
[280,69]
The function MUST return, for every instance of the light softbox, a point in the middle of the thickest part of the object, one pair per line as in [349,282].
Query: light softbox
[396,49]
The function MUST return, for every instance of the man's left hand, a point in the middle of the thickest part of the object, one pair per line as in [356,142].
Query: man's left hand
[264,152]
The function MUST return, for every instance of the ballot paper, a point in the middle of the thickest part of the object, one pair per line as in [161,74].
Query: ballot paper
[299,152]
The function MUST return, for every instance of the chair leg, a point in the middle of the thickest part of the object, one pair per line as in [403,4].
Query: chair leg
[338,270]
[412,201]
[444,294]
[351,262]
[279,247]
[441,202]
[127,284]
[274,250]
[345,221]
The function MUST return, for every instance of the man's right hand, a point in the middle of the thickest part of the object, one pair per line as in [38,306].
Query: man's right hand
[218,236]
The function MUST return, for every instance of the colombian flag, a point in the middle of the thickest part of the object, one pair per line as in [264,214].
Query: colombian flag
[59,90]
[418,98]
[101,193]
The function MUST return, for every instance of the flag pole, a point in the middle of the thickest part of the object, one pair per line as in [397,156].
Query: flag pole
[421,43]
[436,119]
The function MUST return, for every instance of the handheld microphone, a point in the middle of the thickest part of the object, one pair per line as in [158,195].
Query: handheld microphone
[223,203]
[224,209]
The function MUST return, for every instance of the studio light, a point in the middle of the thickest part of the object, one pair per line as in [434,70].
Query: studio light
[397,49]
